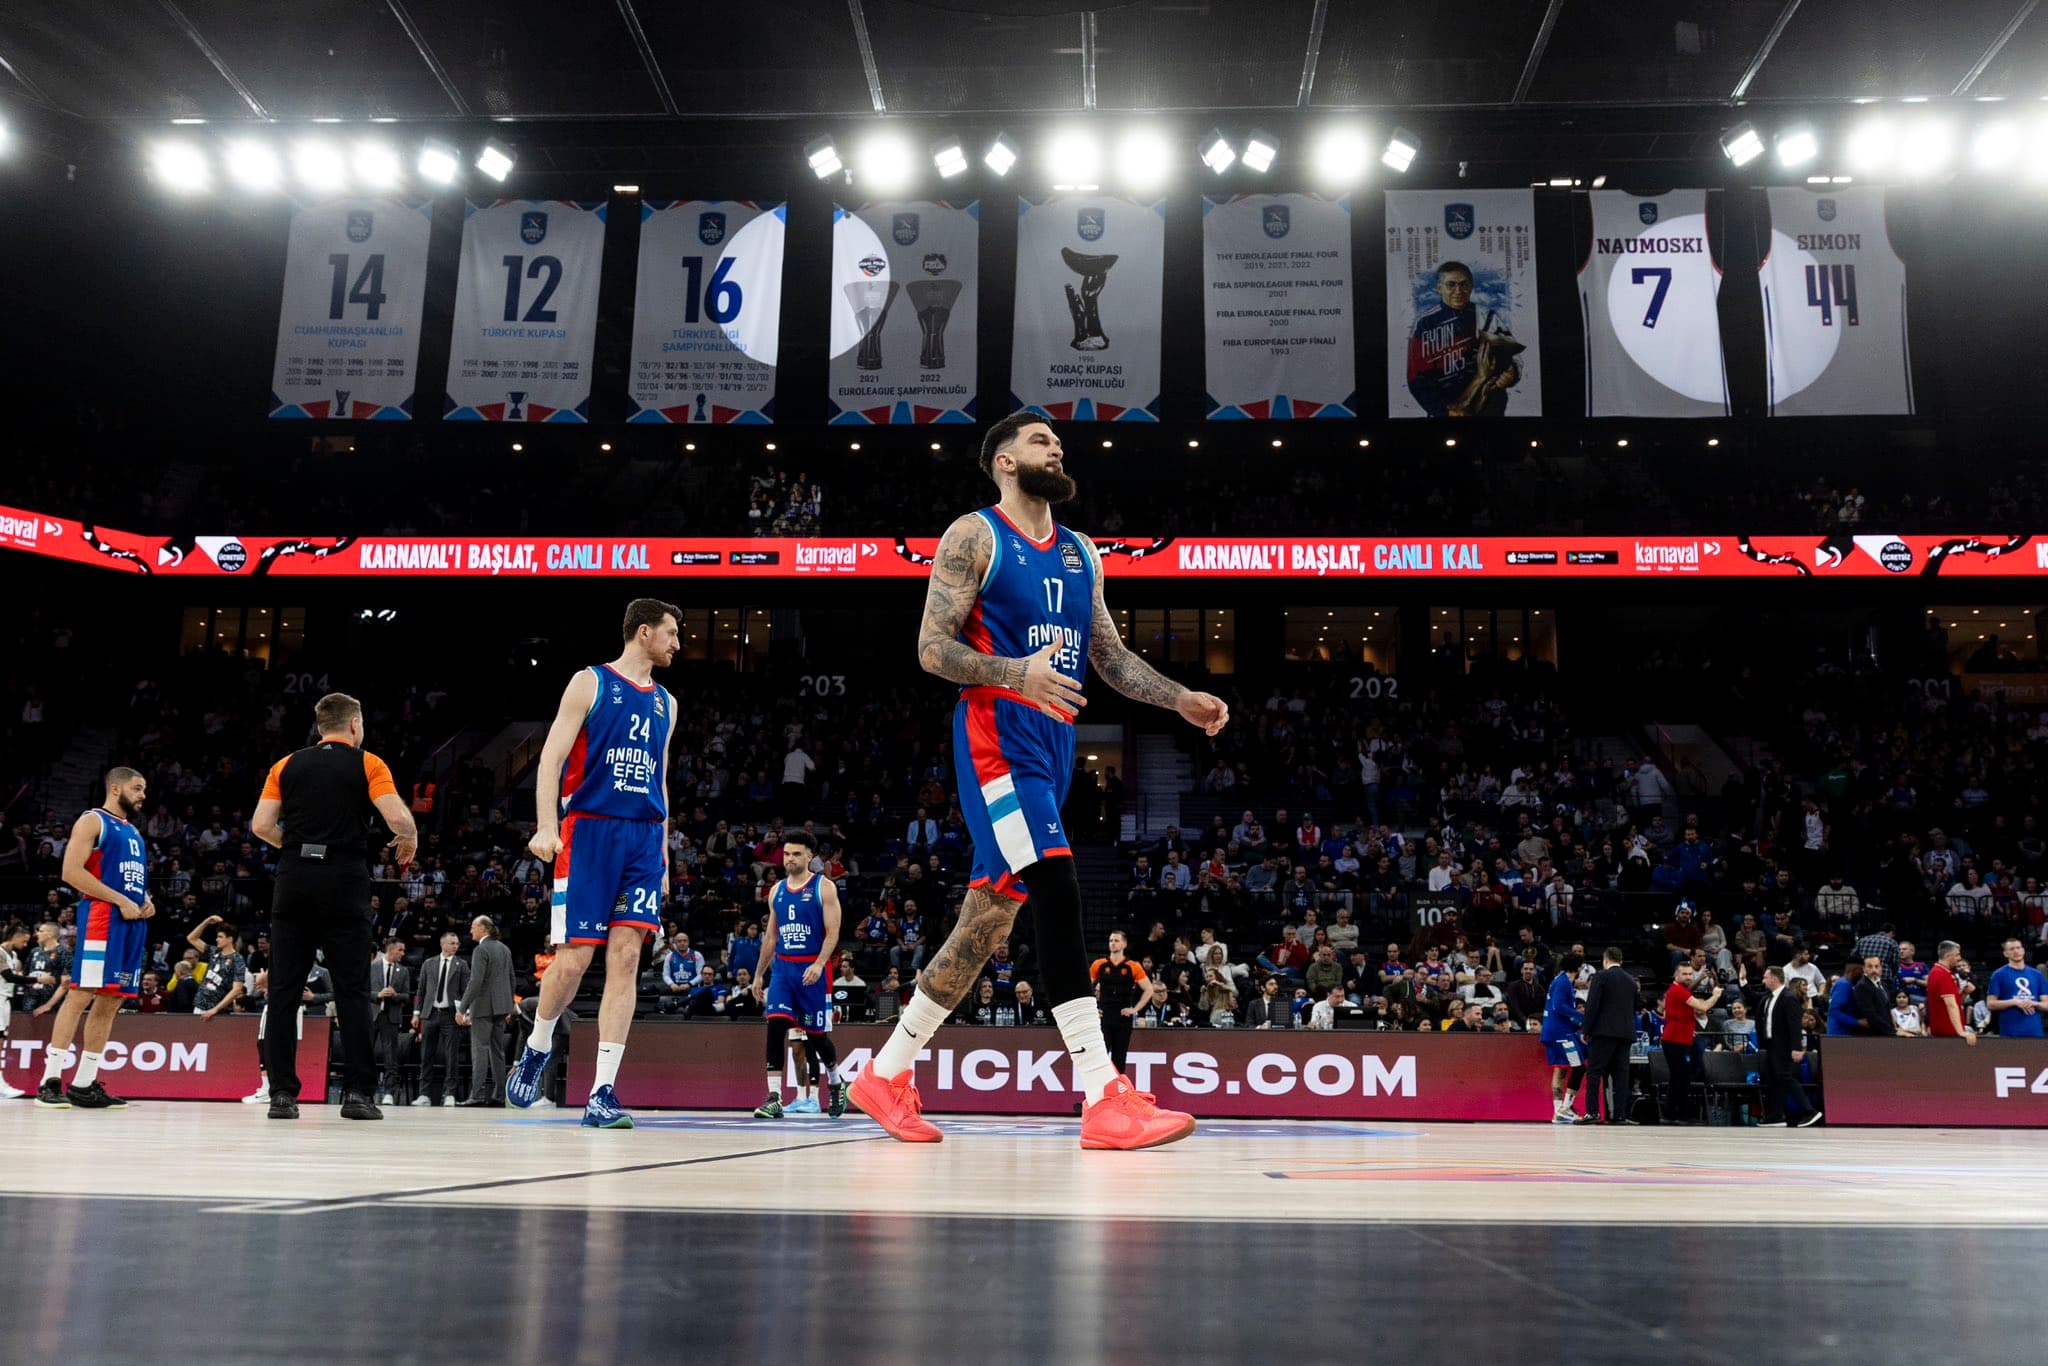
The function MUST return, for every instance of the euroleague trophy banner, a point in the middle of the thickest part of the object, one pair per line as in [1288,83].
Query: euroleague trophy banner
[525,311]
[1647,291]
[1276,271]
[1090,286]
[1462,326]
[348,330]
[707,311]
[904,312]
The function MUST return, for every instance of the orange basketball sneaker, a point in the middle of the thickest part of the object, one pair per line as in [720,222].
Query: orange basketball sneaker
[1127,1118]
[892,1103]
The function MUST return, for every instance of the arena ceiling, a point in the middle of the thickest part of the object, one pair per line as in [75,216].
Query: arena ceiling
[613,60]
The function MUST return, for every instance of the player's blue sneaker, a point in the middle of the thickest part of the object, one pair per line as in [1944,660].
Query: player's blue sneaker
[522,1087]
[806,1106]
[605,1112]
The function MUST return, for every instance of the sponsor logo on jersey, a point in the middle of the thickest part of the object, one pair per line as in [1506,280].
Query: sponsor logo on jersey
[1091,224]
[1459,221]
[1647,211]
[1532,557]
[903,228]
[935,263]
[533,227]
[1275,220]
[1070,556]
[360,222]
[1895,556]
[711,228]
[1826,209]
[660,707]
[871,266]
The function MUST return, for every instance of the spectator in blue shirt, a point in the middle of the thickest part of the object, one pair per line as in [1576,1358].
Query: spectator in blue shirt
[2017,995]
[681,967]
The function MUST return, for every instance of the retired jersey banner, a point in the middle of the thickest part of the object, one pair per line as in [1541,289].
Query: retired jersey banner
[1276,270]
[904,311]
[1090,285]
[1462,328]
[525,311]
[1647,292]
[348,331]
[707,311]
[1834,306]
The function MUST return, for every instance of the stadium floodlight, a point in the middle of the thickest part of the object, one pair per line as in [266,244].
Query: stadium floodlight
[1260,147]
[1402,146]
[1001,155]
[823,158]
[1742,144]
[252,164]
[1340,157]
[495,160]
[1144,161]
[377,166]
[1074,159]
[1872,146]
[6,138]
[884,163]
[949,158]
[1216,152]
[438,162]
[319,167]
[1927,147]
[180,166]
[1797,145]
[2034,157]
[1996,146]
[625,189]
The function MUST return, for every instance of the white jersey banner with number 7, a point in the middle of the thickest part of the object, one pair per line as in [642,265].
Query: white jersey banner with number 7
[1647,292]
[348,331]
[903,308]
[1276,270]
[1090,294]
[707,311]
[1462,328]
[1834,306]
[525,312]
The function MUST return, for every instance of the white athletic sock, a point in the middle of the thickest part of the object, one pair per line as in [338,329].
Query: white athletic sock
[55,1060]
[921,1019]
[543,1037]
[775,1085]
[609,1056]
[1080,1022]
[88,1069]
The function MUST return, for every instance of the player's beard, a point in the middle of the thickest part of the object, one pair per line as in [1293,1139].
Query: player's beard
[130,811]
[1054,486]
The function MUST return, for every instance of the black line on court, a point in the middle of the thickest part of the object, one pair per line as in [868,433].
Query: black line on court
[380,1197]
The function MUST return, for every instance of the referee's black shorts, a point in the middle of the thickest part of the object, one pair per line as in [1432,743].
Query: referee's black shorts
[322,908]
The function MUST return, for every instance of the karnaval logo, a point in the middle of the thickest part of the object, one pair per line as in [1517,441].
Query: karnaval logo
[1683,555]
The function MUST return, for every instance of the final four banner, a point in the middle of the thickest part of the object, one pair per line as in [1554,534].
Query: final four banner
[1461,304]
[348,331]
[707,311]
[1277,269]
[904,312]
[1090,281]
[525,311]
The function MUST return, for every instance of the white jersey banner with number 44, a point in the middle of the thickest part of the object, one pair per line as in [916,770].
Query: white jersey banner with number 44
[348,331]
[526,312]
[707,311]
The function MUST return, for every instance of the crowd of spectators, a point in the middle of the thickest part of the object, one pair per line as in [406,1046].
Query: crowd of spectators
[780,503]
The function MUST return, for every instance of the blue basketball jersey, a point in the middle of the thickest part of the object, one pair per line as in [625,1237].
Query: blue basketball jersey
[799,919]
[618,767]
[120,859]
[1035,592]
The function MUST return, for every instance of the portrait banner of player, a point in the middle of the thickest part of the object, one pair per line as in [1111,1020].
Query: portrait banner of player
[348,329]
[1462,325]
[1647,291]
[904,309]
[525,311]
[1090,286]
[707,311]
[1834,306]
[1276,272]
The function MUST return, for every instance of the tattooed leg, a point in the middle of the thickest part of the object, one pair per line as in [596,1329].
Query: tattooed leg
[985,921]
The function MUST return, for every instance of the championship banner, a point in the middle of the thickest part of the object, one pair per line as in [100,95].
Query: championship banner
[1940,1083]
[904,312]
[525,311]
[1277,275]
[1647,292]
[161,1056]
[348,330]
[1090,290]
[707,311]
[1462,329]
[1834,306]
[1815,557]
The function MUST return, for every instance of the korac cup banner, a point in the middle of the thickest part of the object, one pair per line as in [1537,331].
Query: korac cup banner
[1090,293]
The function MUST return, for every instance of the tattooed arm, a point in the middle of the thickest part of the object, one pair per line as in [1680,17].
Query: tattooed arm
[957,571]
[1118,666]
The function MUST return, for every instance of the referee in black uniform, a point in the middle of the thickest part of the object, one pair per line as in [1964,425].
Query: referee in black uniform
[1121,989]
[317,807]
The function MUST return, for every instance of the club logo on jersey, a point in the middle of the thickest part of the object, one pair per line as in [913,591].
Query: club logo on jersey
[533,227]
[871,266]
[903,227]
[1275,219]
[1070,556]
[935,263]
[1647,211]
[1826,209]
[659,709]
[360,221]
[618,695]
[711,228]
[1017,546]
[1091,224]
[1459,220]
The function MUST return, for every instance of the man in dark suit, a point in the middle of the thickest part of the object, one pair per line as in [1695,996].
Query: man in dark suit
[390,1002]
[1873,1002]
[442,980]
[1783,1045]
[485,1009]
[1610,1029]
